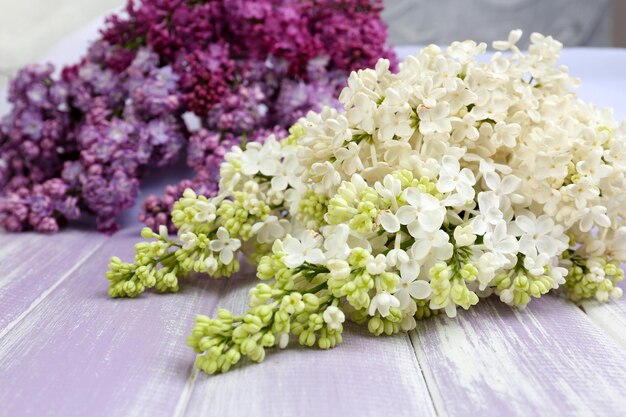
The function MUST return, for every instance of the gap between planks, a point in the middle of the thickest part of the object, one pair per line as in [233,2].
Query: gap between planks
[49,291]
[609,318]
[185,395]
[431,385]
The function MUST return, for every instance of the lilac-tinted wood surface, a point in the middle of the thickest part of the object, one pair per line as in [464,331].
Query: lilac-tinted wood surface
[549,359]
[32,265]
[79,353]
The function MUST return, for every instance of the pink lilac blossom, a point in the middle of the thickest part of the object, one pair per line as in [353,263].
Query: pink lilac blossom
[82,141]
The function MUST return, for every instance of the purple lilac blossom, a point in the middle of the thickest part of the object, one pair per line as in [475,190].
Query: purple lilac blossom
[243,69]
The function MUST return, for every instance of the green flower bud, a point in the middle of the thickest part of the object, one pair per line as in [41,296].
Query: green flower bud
[361,223]
[389,281]
[232,355]
[376,326]
[324,343]
[268,340]
[311,302]
[358,257]
[307,338]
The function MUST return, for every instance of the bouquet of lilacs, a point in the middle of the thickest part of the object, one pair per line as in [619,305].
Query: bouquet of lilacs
[165,76]
[436,186]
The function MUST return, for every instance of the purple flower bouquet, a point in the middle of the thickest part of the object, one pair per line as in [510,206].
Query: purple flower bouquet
[167,76]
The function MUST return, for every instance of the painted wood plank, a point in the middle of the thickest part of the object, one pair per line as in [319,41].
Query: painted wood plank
[364,376]
[610,317]
[548,360]
[7,239]
[3,238]
[33,264]
[79,353]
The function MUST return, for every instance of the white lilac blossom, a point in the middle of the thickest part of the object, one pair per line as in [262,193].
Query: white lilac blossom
[445,182]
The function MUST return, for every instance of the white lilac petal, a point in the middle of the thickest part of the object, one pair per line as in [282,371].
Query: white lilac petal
[389,222]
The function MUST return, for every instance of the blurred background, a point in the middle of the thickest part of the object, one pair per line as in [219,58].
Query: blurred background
[29,27]
[573,22]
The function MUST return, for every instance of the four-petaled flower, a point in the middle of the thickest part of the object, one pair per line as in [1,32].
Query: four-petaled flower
[225,245]
[435,119]
[411,288]
[305,249]
[376,265]
[592,216]
[259,159]
[453,178]
[333,317]
[537,235]
[270,229]
[382,302]
[205,212]
[500,242]
[423,211]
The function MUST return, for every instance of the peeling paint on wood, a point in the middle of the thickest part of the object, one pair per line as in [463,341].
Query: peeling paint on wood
[549,359]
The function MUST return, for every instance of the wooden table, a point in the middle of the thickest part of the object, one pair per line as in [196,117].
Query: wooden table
[66,349]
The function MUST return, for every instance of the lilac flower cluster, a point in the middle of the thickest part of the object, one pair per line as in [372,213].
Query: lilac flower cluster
[82,141]
[131,122]
[34,139]
[298,55]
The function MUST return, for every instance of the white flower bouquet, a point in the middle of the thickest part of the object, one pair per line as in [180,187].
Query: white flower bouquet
[441,184]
